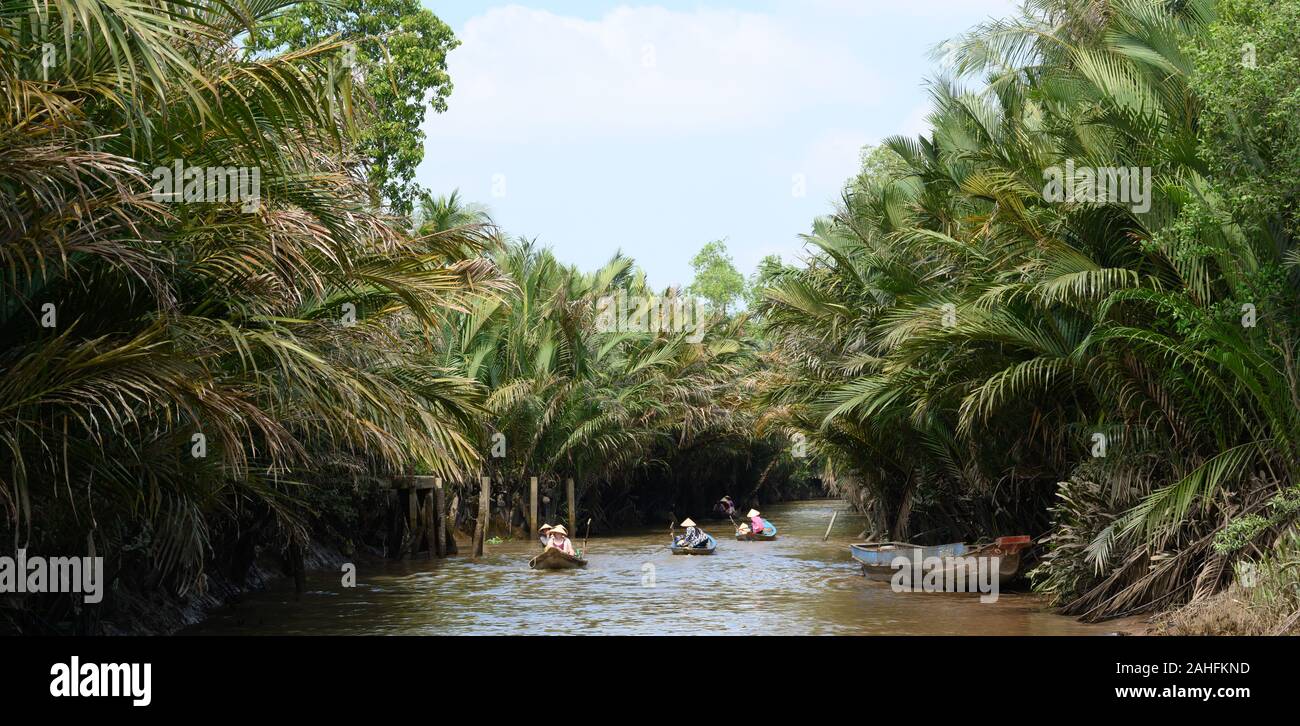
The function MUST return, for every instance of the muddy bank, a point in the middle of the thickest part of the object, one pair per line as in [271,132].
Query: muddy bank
[162,613]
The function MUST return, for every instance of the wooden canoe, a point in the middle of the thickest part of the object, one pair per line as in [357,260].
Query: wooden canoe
[767,535]
[877,558]
[710,546]
[553,559]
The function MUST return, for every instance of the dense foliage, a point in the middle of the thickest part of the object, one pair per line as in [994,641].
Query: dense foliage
[972,355]
[172,363]
[194,372]
[198,370]
[643,419]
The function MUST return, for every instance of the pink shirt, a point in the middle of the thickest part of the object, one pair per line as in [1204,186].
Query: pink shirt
[566,546]
[756,524]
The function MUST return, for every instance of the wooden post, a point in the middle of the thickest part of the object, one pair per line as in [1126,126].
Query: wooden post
[439,520]
[453,514]
[412,516]
[393,544]
[427,523]
[533,524]
[573,511]
[509,518]
[484,508]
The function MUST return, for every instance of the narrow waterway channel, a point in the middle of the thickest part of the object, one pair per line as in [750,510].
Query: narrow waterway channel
[796,585]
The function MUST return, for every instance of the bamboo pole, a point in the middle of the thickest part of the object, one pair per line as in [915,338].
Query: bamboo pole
[439,520]
[533,524]
[829,526]
[573,510]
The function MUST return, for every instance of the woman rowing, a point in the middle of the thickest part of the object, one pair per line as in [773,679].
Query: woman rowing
[694,537]
[725,506]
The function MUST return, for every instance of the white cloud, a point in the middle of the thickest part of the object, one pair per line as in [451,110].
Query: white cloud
[524,74]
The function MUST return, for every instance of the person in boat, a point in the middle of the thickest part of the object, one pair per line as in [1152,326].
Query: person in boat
[559,539]
[756,523]
[694,537]
[725,506]
[546,534]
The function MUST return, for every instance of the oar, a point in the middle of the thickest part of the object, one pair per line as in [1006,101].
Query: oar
[671,527]
[585,536]
[735,527]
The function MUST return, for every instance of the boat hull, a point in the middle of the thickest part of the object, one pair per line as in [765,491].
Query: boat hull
[767,535]
[877,559]
[708,549]
[553,559]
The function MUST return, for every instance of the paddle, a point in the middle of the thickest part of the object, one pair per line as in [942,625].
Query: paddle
[585,536]
[671,538]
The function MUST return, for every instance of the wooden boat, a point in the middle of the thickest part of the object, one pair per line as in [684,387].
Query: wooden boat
[768,534]
[877,558]
[710,546]
[553,559]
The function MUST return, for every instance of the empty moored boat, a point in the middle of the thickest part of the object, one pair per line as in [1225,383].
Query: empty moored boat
[877,558]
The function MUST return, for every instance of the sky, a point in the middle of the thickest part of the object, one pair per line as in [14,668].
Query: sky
[596,126]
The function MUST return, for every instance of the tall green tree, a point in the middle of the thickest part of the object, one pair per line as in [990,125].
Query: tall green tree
[716,277]
[399,50]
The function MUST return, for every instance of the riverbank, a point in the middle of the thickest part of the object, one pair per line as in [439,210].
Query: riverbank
[156,612]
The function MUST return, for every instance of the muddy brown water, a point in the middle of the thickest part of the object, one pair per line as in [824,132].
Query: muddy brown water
[796,585]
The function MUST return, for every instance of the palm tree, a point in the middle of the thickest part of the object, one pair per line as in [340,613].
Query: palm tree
[956,340]
[621,411]
[174,365]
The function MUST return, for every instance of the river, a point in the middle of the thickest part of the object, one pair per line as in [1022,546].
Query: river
[796,585]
